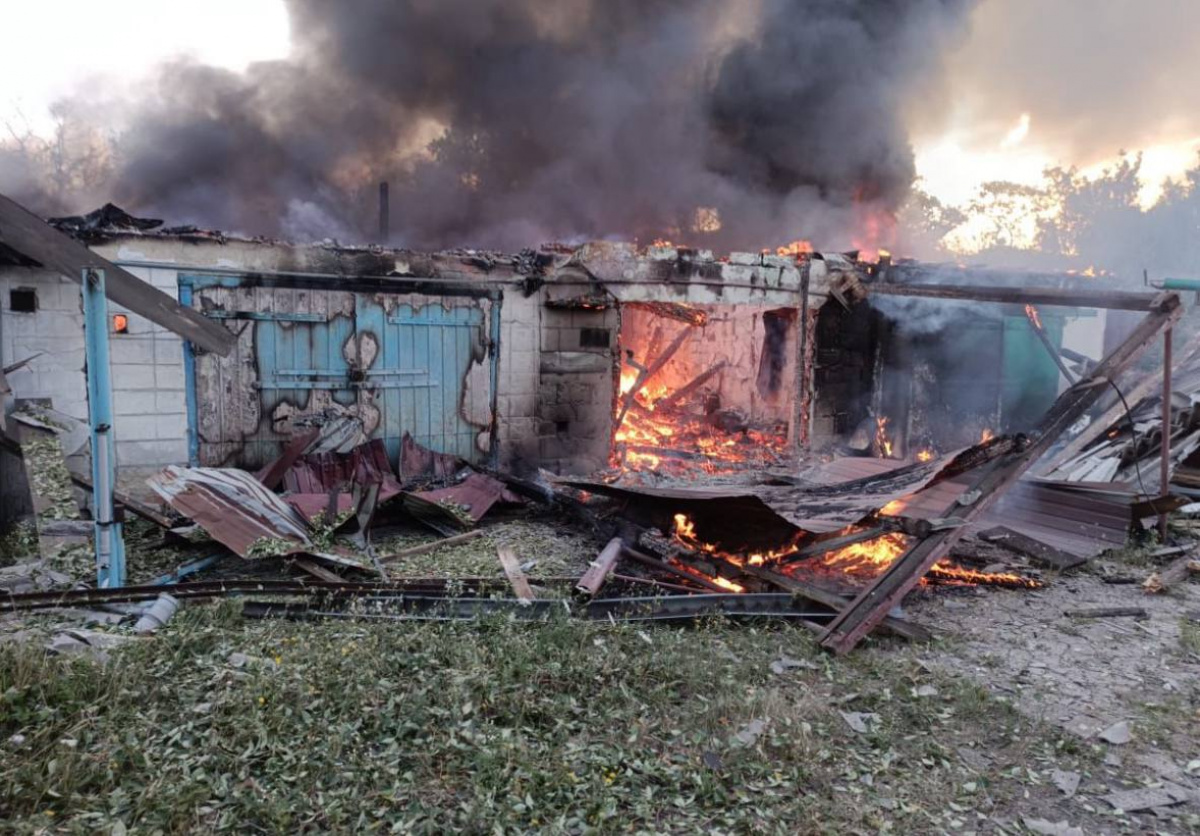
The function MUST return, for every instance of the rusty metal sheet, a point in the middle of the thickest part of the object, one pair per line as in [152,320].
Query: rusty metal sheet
[469,500]
[319,473]
[825,505]
[314,505]
[231,505]
[418,462]
[1082,523]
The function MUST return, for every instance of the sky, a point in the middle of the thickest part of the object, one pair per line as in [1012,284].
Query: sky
[1035,83]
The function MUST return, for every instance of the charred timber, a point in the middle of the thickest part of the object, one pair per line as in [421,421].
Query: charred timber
[683,392]
[1117,300]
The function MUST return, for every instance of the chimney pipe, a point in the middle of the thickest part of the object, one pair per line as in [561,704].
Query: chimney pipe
[384,213]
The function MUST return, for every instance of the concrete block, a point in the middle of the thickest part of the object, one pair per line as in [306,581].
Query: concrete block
[170,401]
[170,427]
[738,273]
[136,427]
[135,377]
[575,362]
[169,377]
[134,402]
[125,350]
[168,350]
[150,453]
[746,259]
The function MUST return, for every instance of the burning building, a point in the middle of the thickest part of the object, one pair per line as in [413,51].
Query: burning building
[759,418]
[664,361]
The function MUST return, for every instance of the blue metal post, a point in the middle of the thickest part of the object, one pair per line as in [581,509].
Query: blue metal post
[110,543]
[189,381]
[494,452]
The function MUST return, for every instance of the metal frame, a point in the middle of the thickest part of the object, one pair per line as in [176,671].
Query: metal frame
[110,542]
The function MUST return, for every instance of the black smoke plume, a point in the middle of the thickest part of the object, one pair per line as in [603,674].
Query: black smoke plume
[505,123]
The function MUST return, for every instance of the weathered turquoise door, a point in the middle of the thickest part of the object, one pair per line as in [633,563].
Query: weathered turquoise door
[414,367]
[397,362]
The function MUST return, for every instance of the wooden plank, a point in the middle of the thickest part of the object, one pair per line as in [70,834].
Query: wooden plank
[890,587]
[272,474]
[317,571]
[647,373]
[895,626]
[599,569]
[434,546]
[1073,298]
[1107,612]
[127,502]
[512,569]
[29,235]
[661,565]
[1035,550]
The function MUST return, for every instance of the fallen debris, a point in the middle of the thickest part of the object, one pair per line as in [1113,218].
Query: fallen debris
[460,506]
[1117,734]
[455,540]
[157,615]
[1108,612]
[234,508]
[512,570]
[1145,798]
[1179,571]
[600,568]
[1029,547]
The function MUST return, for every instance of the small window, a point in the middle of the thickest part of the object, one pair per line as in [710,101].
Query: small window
[562,427]
[22,300]
[594,338]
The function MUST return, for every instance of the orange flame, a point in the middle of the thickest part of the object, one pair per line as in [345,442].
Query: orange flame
[1032,313]
[925,455]
[883,444]
[795,249]
[987,435]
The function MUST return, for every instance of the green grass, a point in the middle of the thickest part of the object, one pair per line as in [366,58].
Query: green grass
[499,726]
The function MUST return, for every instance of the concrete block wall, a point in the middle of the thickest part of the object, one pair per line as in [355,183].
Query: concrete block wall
[149,397]
[55,329]
[575,388]
[517,399]
[150,415]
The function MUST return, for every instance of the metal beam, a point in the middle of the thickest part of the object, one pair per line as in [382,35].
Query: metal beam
[1118,300]
[29,235]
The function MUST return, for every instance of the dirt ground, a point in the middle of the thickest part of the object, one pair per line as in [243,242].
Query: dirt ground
[1087,676]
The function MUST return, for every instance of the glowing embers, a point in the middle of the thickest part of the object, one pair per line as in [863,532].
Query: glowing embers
[857,562]
[670,419]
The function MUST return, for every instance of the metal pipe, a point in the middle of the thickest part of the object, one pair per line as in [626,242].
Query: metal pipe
[102,500]
[385,209]
[1164,471]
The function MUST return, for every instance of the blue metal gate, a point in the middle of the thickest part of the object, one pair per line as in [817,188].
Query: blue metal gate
[400,362]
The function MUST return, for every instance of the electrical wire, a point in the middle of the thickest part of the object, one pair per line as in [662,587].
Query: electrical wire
[1137,467]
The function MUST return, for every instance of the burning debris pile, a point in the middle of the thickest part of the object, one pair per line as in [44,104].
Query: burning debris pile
[683,407]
